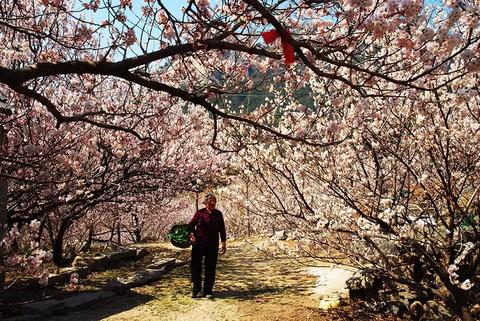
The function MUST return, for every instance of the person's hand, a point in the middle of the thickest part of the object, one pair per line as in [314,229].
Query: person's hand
[224,248]
[192,239]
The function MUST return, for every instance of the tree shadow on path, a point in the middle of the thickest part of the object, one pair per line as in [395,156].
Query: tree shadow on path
[245,273]
[245,279]
[104,309]
[243,295]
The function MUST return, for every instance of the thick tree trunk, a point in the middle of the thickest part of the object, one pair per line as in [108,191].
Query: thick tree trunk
[466,315]
[3,207]
[119,234]
[462,307]
[58,243]
[136,229]
[112,232]
[86,247]
[248,215]
[3,223]
[196,201]
[51,234]
[248,223]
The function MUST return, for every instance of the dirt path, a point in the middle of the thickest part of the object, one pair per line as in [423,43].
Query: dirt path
[249,286]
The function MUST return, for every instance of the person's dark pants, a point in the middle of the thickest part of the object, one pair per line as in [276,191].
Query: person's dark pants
[198,253]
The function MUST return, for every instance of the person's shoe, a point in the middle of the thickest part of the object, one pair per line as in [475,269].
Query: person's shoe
[195,295]
[209,296]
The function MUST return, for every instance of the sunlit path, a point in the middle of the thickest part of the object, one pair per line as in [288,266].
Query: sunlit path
[350,126]
[250,286]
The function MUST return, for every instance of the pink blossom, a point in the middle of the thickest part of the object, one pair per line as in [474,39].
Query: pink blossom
[473,65]
[83,34]
[92,5]
[147,11]
[121,17]
[43,278]
[468,54]
[452,268]
[337,101]
[130,37]
[466,285]
[404,41]
[14,260]
[126,3]
[162,17]
[73,285]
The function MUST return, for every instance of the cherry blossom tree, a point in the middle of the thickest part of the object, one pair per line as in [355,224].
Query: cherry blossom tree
[399,198]
[62,180]
[213,50]
[4,111]
[334,136]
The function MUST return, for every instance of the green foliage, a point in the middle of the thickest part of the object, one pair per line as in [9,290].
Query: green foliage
[178,235]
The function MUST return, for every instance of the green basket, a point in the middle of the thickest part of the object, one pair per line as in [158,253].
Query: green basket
[178,236]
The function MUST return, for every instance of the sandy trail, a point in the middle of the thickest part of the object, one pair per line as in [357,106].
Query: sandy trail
[249,286]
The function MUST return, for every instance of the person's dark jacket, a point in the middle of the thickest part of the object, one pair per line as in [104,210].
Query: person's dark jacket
[207,227]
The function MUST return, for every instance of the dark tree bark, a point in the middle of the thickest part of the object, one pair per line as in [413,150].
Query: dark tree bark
[58,243]
[119,234]
[137,233]
[3,206]
[88,244]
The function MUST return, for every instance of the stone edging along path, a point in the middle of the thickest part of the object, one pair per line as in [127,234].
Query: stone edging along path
[240,280]
[42,309]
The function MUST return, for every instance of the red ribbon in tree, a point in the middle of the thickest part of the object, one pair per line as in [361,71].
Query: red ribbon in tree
[288,53]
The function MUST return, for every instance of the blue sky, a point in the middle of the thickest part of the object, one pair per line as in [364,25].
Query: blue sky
[175,6]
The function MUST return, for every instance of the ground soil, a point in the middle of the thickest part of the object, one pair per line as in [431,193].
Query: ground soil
[250,286]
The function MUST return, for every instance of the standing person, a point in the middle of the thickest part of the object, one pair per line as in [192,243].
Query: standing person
[205,227]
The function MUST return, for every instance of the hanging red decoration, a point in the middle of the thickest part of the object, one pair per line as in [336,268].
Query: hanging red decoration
[288,52]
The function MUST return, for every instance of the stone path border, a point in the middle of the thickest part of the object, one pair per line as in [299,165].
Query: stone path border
[41,309]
